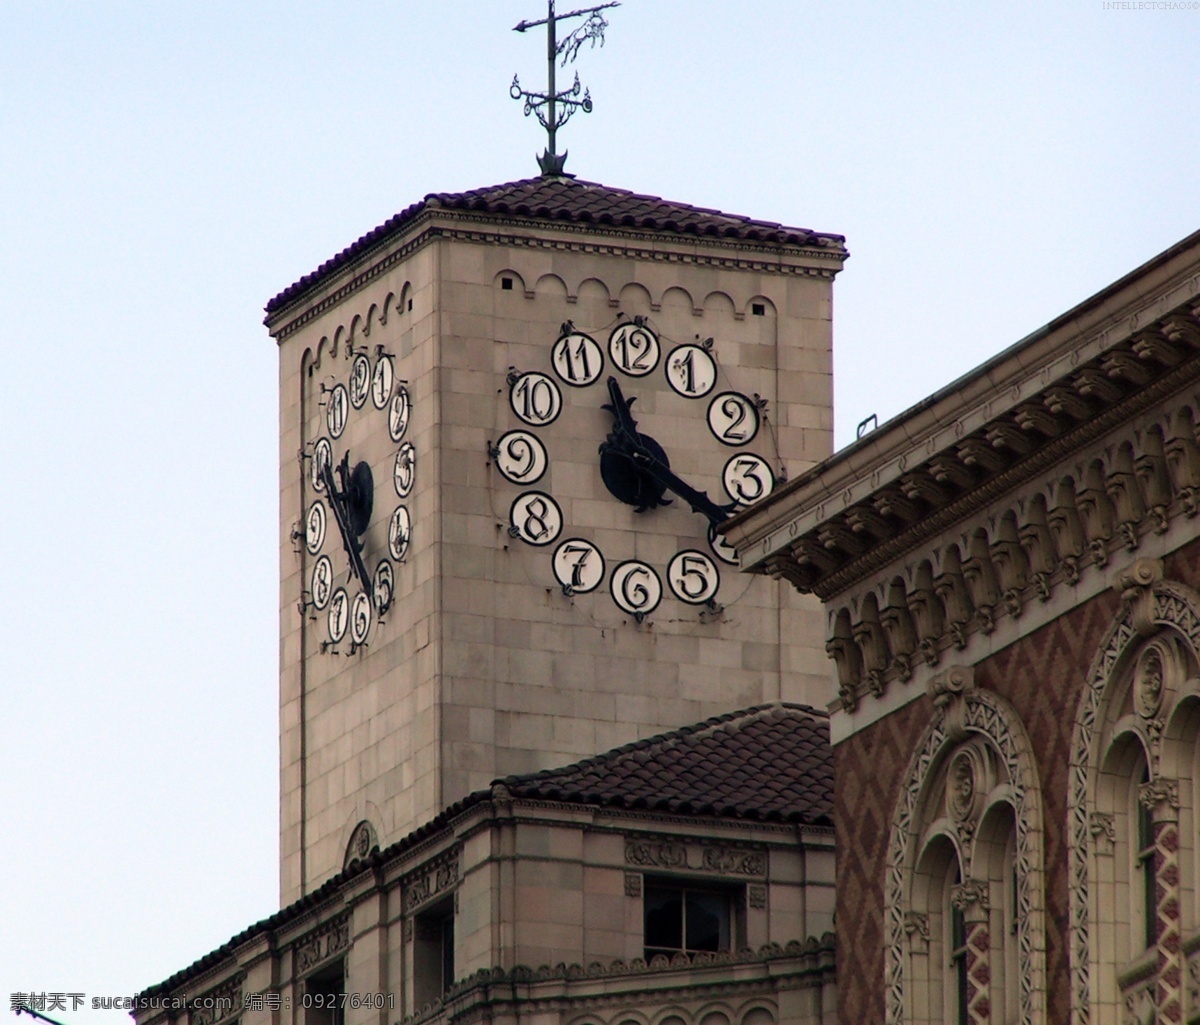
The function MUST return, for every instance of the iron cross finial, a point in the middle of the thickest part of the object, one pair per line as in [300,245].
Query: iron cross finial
[554,108]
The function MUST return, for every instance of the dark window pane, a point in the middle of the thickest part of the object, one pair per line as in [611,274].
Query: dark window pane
[664,917]
[707,921]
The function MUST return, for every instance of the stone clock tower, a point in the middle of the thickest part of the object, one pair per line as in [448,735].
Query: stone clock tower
[510,422]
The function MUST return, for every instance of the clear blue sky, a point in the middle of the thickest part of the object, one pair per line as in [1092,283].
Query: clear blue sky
[168,167]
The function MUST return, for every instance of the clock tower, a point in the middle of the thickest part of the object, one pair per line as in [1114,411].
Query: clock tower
[512,421]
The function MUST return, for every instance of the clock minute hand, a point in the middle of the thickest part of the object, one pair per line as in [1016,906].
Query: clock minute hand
[353,550]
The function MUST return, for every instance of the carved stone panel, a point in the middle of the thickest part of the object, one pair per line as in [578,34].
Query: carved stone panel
[430,881]
[322,944]
[695,856]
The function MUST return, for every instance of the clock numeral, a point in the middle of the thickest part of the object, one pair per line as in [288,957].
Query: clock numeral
[747,478]
[577,359]
[634,349]
[693,577]
[398,413]
[314,527]
[722,549]
[381,382]
[691,371]
[405,472]
[535,399]
[399,533]
[337,410]
[360,380]
[360,618]
[322,457]
[339,615]
[322,583]
[733,418]
[535,518]
[578,566]
[520,457]
[383,586]
[636,588]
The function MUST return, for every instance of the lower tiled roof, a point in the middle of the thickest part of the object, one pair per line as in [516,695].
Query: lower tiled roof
[771,762]
[571,200]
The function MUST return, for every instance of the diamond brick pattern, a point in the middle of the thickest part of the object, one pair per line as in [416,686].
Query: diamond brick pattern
[572,201]
[771,762]
[1042,676]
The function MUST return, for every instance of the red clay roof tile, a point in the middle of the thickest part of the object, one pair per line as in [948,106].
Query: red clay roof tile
[569,199]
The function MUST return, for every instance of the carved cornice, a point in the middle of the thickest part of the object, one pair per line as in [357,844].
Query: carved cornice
[848,568]
[1054,533]
[618,242]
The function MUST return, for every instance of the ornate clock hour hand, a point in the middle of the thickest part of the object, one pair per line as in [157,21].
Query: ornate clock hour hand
[624,480]
[348,502]
[636,470]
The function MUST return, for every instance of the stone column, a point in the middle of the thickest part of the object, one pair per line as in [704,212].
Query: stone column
[971,898]
[1161,796]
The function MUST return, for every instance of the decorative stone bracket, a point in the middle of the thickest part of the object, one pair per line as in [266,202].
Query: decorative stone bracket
[949,691]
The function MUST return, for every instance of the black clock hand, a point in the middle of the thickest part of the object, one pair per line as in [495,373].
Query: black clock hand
[645,460]
[338,499]
[625,447]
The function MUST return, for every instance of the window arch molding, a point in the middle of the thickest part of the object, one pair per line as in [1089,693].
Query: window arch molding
[1154,613]
[966,718]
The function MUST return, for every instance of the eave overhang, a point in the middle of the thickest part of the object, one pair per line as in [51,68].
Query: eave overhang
[953,453]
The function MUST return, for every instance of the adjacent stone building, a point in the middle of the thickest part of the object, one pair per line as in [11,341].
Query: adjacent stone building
[677,879]
[1011,579]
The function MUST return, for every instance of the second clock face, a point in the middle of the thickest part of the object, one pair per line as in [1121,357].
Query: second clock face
[627,369]
[358,524]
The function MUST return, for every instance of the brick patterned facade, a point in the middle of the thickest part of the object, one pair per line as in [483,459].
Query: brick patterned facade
[1060,651]
[870,769]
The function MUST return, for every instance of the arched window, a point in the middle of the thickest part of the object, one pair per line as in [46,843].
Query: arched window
[964,899]
[1133,832]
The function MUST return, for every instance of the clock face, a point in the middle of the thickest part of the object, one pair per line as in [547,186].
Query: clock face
[618,373]
[357,527]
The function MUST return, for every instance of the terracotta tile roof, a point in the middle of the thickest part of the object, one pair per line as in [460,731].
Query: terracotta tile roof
[581,202]
[771,762]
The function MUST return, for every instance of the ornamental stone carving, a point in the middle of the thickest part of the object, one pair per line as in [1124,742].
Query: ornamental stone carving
[1104,832]
[1149,682]
[430,881]
[966,787]
[1075,520]
[1161,796]
[949,690]
[695,857]
[1134,584]
[322,944]
[219,1003]
[916,928]
[655,854]
[363,841]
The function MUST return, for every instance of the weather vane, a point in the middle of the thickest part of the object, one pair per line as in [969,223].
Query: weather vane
[554,108]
